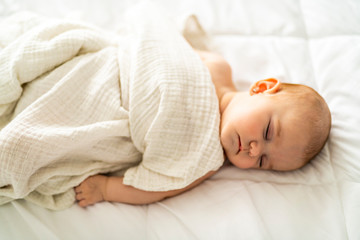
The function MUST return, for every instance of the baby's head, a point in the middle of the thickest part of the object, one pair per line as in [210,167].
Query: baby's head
[276,126]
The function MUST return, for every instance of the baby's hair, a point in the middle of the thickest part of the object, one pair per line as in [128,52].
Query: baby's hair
[312,110]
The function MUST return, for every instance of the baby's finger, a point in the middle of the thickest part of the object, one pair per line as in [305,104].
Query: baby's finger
[79,196]
[83,203]
[78,189]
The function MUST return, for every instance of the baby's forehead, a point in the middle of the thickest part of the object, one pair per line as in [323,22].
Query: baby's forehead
[291,163]
[289,155]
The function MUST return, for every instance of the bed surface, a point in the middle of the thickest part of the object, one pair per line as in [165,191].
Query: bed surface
[316,43]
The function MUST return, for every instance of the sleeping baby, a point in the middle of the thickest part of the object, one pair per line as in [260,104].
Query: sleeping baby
[135,116]
[275,126]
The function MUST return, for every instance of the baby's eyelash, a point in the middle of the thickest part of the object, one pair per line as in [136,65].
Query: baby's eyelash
[261,161]
[267,131]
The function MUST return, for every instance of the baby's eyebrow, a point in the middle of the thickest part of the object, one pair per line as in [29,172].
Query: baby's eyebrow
[278,132]
[278,128]
[270,165]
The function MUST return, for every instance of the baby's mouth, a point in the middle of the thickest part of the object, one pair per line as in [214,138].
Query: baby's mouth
[239,144]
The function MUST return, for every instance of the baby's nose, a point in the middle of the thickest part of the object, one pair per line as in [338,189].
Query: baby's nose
[254,150]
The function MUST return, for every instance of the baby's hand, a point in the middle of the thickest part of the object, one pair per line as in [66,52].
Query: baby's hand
[91,190]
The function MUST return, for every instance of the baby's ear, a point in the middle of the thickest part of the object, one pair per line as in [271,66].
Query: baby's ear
[270,85]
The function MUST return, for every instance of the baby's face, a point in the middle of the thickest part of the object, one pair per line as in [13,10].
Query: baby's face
[260,132]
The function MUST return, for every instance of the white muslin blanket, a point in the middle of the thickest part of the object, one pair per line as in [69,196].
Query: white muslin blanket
[77,101]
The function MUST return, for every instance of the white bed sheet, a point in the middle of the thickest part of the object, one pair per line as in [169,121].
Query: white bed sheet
[312,42]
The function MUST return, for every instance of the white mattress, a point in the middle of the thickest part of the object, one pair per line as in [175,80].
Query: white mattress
[303,41]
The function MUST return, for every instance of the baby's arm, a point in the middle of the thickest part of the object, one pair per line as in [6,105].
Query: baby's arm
[220,72]
[102,188]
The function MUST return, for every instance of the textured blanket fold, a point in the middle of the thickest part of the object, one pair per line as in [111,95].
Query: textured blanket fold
[77,101]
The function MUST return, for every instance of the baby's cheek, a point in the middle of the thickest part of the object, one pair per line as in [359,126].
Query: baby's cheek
[251,130]
[223,139]
[241,162]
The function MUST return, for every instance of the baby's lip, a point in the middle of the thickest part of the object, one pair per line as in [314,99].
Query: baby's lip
[239,144]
